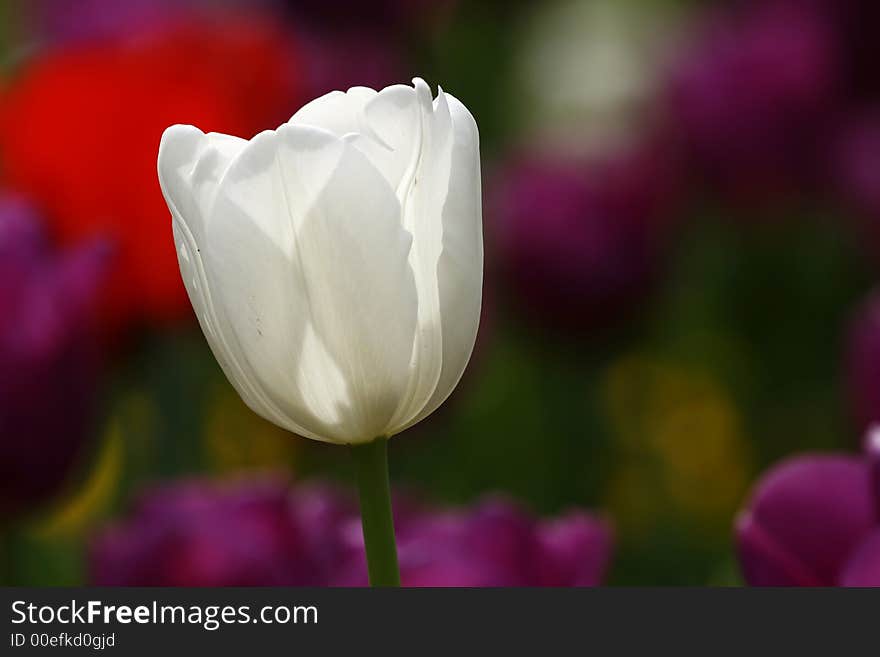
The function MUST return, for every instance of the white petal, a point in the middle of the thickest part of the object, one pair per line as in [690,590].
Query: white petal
[190,166]
[409,138]
[460,264]
[307,253]
[422,191]
[393,136]
[383,125]
[337,112]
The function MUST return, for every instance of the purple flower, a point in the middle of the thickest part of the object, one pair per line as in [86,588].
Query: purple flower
[581,242]
[194,534]
[266,533]
[814,521]
[750,96]
[496,544]
[48,367]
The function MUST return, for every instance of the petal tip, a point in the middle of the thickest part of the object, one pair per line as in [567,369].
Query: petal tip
[179,132]
[177,147]
[423,89]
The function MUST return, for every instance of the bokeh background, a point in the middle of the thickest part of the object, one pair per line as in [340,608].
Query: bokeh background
[682,223]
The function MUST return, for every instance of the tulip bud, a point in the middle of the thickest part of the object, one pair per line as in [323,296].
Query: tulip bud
[335,264]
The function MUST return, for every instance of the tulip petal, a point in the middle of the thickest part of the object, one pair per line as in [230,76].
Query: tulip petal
[805,518]
[306,245]
[338,112]
[345,115]
[184,152]
[459,268]
[421,191]
[395,122]
[863,567]
[191,165]
[430,155]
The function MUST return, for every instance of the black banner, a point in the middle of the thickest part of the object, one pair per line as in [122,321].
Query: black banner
[144,621]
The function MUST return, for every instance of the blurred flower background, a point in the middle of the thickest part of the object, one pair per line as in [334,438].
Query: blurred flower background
[678,365]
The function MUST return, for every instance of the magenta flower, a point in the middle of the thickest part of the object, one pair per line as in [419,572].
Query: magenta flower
[48,368]
[814,521]
[582,242]
[751,94]
[263,532]
[496,544]
[193,534]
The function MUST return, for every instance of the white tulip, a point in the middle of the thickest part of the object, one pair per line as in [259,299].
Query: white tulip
[335,264]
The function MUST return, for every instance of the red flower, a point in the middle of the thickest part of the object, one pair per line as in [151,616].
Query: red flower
[80,129]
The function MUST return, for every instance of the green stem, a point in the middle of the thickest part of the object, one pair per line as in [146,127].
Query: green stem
[371,463]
